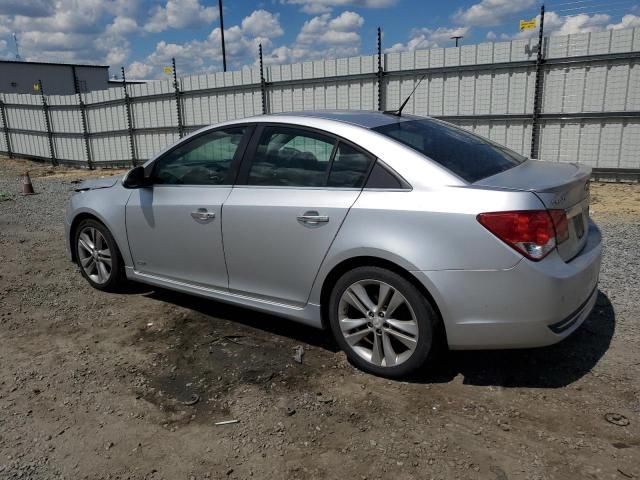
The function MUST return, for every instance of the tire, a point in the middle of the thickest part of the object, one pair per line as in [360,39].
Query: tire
[92,233]
[409,329]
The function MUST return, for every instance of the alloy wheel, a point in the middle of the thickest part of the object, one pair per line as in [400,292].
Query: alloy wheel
[378,323]
[94,255]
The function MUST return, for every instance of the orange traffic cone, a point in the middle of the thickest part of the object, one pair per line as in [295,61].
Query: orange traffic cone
[27,188]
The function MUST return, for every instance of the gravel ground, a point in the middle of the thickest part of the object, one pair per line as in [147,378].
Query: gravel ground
[98,385]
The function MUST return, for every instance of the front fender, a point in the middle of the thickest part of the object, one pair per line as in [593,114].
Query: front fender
[108,206]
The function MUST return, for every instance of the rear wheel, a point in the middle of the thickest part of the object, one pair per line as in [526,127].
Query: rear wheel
[97,256]
[382,321]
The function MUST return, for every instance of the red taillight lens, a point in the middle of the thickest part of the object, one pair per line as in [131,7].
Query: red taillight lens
[530,232]
[561,225]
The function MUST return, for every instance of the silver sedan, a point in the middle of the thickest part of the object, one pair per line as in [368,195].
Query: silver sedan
[394,232]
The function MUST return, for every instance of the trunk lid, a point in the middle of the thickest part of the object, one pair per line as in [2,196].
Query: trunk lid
[558,186]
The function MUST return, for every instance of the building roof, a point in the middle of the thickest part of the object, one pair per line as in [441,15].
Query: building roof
[23,62]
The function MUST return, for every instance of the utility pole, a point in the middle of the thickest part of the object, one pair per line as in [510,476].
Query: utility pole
[224,53]
[456,38]
[15,41]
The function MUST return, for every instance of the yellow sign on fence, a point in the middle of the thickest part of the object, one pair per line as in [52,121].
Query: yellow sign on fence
[168,70]
[528,24]
[36,87]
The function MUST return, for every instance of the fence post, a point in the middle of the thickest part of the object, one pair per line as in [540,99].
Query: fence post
[178,102]
[83,118]
[380,73]
[5,128]
[127,103]
[263,83]
[537,93]
[47,122]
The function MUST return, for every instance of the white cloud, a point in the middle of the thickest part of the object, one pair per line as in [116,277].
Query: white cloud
[628,21]
[139,70]
[322,37]
[324,30]
[262,23]
[28,8]
[576,24]
[315,7]
[116,55]
[78,31]
[346,22]
[241,42]
[421,38]
[122,26]
[491,36]
[180,14]
[286,54]
[70,16]
[488,13]
[555,24]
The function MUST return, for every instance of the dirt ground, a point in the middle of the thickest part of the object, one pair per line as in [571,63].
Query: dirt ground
[130,386]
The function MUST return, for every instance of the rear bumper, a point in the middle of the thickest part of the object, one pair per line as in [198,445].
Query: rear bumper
[529,305]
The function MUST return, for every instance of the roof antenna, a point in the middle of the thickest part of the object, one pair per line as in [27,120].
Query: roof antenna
[398,112]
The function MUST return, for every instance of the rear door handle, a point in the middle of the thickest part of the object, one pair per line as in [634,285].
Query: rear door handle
[203,214]
[312,218]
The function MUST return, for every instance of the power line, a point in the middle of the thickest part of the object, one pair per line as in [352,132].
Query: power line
[612,11]
[552,5]
[621,2]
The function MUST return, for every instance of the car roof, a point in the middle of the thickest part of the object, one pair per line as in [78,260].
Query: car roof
[362,118]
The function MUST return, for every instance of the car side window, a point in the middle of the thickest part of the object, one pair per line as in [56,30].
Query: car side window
[350,167]
[291,157]
[204,160]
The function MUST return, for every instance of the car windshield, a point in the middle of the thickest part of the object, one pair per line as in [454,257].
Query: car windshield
[467,155]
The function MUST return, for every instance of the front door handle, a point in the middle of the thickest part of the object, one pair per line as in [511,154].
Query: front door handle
[312,218]
[203,214]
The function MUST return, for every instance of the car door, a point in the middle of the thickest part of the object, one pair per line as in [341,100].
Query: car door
[174,226]
[280,219]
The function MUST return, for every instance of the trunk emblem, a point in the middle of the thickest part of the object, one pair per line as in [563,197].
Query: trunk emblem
[559,200]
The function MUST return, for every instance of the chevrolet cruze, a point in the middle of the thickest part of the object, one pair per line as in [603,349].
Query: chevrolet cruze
[384,229]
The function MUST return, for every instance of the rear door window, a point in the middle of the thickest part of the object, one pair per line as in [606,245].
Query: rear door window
[291,157]
[350,167]
[469,156]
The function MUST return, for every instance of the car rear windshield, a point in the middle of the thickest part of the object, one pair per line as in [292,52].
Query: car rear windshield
[467,155]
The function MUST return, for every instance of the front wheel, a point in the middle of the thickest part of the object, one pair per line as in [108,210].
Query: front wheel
[382,321]
[98,256]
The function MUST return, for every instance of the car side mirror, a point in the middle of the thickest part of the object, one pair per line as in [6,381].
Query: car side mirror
[136,178]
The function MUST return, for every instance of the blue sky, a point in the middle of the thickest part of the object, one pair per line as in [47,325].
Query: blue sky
[143,35]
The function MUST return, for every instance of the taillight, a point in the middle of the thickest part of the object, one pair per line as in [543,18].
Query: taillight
[560,223]
[533,233]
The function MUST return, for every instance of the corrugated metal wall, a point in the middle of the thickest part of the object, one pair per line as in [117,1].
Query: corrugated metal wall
[590,104]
